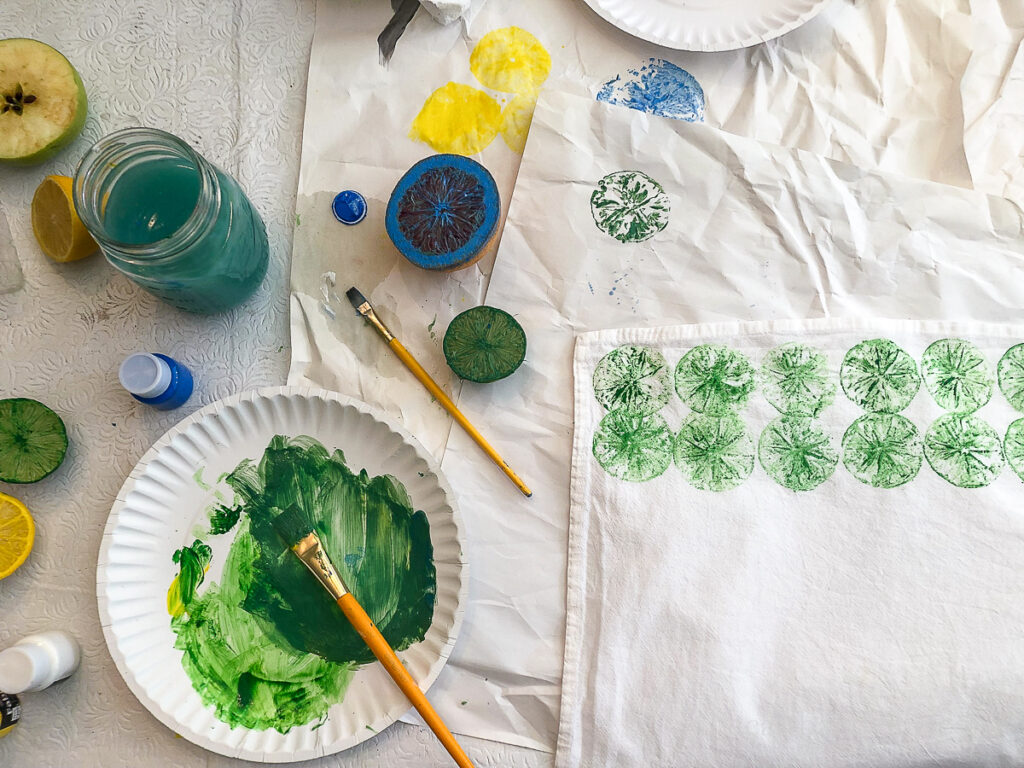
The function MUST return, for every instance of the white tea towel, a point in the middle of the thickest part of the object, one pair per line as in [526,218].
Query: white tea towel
[796,543]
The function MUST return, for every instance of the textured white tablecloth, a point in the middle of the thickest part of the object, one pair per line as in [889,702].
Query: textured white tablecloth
[229,77]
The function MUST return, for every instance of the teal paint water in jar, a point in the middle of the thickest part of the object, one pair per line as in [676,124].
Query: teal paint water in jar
[171,220]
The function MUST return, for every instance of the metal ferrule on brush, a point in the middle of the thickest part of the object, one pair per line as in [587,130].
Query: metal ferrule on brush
[311,553]
[367,311]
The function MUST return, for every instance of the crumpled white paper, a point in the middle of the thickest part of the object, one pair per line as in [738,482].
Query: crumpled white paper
[877,84]
[844,625]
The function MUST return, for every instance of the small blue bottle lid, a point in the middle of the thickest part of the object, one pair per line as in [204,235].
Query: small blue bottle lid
[349,207]
[156,380]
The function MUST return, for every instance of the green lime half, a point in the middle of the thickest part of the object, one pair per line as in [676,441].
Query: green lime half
[33,440]
[963,450]
[879,376]
[714,380]
[956,374]
[882,450]
[1011,376]
[484,344]
[630,206]
[795,379]
[633,446]
[634,378]
[797,453]
[1013,447]
[714,453]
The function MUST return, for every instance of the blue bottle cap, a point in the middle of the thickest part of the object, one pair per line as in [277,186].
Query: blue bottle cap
[349,207]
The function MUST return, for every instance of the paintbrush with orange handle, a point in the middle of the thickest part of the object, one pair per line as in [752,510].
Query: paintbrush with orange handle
[300,537]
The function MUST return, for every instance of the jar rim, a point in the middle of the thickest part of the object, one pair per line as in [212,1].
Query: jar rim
[103,152]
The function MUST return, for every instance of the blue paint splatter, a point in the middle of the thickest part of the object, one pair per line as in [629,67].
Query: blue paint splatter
[591,286]
[658,87]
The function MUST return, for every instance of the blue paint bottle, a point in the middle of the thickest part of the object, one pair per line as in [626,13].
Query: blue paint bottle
[156,380]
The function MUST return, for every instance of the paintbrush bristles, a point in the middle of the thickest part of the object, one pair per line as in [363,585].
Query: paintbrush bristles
[292,526]
[356,297]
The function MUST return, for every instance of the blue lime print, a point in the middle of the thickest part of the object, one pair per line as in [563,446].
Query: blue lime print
[658,87]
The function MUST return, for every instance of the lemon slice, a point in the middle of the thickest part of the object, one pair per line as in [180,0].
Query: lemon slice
[17,532]
[58,230]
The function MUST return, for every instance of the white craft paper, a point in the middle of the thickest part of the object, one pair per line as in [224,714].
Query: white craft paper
[844,626]
[878,84]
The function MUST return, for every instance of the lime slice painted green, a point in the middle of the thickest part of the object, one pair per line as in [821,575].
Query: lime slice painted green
[879,376]
[633,446]
[635,378]
[630,206]
[1011,376]
[795,379]
[1013,447]
[797,453]
[956,374]
[33,440]
[714,380]
[714,453]
[963,450]
[484,344]
[882,450]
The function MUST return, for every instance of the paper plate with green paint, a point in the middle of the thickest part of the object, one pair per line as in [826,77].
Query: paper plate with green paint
[222,633]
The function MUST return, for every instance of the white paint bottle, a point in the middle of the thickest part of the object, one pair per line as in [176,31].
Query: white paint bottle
[38,661]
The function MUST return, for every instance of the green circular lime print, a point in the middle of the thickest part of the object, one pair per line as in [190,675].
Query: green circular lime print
[1013,447]
[797,453]
[794,378]
[714,453]
[633,446]
[882,450]
[879,376]
[634,378]
[714,380]
[630,206]
[1011,376]
[957,376]
[963,450]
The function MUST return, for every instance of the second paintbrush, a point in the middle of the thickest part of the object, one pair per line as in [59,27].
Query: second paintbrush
[363,308]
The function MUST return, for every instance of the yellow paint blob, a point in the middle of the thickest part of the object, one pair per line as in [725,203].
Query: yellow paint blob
[516,119]
[510,60]
[457,118]
[175,606]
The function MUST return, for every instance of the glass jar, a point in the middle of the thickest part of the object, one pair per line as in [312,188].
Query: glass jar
[171,220]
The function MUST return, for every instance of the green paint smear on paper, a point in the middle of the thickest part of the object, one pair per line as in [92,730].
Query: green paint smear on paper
[957,376]
[964,450]
[267,647]
[630,206]
[795,379]
[797,453]
[1011,376]
[714,380]
[882,450]
[633,446]
[714,453]
[879,376]
[635,378]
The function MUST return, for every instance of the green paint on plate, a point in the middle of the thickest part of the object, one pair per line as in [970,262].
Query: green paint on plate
[630,206]
[714,453]
[714,380]
[634,378]
[633,446]
[1013,447]
[266,646]
[1011,376]
[797,453]
[795,379]
[963,450]
[956,374]
[223,518]
[882,450]
[879,376]
[197,476]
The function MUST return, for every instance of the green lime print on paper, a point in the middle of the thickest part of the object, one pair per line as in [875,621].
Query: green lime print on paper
[879,376]
[795,379]
[637,379]
[265,646]
[714,380]
[797,453]
[633,446]
[963,450]
[1013,447]
[630,206]
[1011,376]
[957,376]
[714,453]
[882,450]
